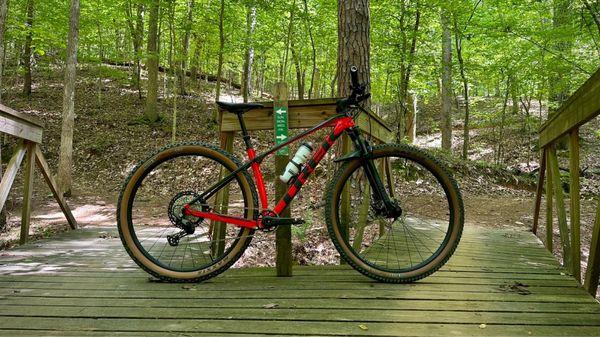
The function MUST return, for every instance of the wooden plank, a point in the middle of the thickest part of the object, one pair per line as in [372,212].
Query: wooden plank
[283,235]
[539,192]
[574,199]
[27,191]
[565,238]
[56,192]
[14,127]
[21,116]
[581,107]
[305,114]
[177,327]
[593,266]
[11,172]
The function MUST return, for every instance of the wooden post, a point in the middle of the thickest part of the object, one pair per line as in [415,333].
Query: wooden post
[58,195]
[574,208]
[540,191]
[283,236]
[27,190]
[549,215]
[560,209]
[345,200]
[222,200]
[593,265]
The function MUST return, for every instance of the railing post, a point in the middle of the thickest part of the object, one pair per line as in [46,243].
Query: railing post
[593,266]
[574,209]
[283,236]
[27,191]
[560,208]
[539,192]
[549,211]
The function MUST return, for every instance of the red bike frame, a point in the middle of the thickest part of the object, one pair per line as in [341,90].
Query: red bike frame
[340,123]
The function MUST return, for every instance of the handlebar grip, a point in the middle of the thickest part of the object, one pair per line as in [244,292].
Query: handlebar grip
[354,76]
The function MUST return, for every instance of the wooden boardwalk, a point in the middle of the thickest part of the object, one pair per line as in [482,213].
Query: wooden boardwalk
[499,282]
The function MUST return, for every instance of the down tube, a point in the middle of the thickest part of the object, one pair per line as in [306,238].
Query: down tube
[306,171]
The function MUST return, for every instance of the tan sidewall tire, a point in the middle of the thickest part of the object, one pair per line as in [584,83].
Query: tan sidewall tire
[125,227]
[453,192]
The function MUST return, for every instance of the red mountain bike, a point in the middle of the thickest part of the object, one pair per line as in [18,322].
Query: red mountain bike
[393,212]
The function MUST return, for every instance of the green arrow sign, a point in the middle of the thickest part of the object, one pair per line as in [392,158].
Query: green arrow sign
[281,128]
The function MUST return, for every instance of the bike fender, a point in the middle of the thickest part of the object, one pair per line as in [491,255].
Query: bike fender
[349,156]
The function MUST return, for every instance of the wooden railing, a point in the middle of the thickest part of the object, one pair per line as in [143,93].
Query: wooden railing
[29,132]
[301,114]
[578,110]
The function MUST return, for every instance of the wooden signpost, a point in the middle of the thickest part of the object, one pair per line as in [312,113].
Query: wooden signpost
[300,114]
[29,131]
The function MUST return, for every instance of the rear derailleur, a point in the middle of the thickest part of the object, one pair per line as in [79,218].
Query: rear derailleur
[187,223]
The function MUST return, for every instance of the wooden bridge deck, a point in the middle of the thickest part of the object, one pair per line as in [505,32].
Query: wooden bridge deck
[499,282]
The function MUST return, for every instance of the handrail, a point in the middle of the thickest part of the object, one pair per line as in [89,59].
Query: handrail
[579,109]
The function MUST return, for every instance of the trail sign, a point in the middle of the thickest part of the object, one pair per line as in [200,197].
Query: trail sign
[281,128]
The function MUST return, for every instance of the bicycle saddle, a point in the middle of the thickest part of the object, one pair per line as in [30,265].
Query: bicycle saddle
[238,108]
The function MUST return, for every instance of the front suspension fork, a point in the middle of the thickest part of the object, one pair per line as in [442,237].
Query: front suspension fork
[380,195]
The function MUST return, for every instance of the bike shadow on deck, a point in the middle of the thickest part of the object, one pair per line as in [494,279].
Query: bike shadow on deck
[499,282]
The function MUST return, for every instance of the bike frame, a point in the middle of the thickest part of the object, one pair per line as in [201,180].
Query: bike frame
[340,123]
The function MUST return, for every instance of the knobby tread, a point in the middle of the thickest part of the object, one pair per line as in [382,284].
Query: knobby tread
[218,271]
[351,259]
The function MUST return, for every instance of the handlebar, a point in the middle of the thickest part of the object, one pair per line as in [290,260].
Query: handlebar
[356,96]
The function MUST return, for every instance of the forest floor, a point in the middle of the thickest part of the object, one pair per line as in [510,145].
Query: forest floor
[110,138]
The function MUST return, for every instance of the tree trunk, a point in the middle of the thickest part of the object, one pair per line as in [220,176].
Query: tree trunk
[27,52]
[500,141]
[3,14]
[151,111]
[288,41]
[220,66]
[461,63]
[249,55]
[313,74]
[186,46]
[353,42]
[411,122]
[559,80]
[65,163]
[446,81]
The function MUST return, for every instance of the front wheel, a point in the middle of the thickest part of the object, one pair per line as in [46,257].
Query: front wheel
[402,248]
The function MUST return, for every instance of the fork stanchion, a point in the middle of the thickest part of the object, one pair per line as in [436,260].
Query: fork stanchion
[283,236]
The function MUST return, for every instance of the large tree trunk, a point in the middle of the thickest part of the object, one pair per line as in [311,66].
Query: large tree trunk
[411,115]
[151,111]
[27,52]
[446,81]
[354,46]
[220,66]
[249,56]
[65,162]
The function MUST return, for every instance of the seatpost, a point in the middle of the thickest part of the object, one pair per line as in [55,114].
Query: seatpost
[245,135]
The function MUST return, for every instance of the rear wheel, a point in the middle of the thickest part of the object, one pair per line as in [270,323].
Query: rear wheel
[156,233]
[404,248]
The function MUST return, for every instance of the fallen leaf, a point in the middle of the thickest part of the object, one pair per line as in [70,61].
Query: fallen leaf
[482,326]
[271,306]
[363,327]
